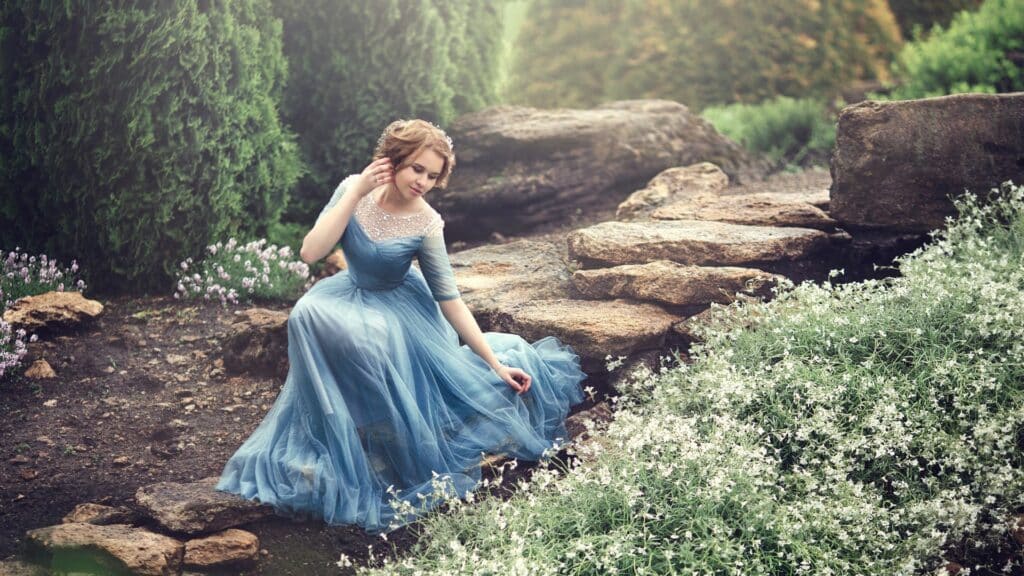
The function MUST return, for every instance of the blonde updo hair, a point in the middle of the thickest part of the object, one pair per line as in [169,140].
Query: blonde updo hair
[403,140]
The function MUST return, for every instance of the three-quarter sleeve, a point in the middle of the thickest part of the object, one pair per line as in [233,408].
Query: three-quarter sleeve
[435,265]
[338,193]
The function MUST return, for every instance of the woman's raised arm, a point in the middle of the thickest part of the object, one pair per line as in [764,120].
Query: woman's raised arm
[332,222]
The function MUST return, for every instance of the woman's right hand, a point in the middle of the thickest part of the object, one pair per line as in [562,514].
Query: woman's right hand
[377,173]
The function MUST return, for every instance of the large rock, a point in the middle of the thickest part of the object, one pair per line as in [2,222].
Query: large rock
[112,549]
[521,168]
[593,328]
[196,507]
[897,163]
[52,310]
[257,343]
[692,242]
[672,283]
[689,184]
[230,547]
[764,209]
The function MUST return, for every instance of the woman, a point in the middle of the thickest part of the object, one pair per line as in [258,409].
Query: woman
[380,400]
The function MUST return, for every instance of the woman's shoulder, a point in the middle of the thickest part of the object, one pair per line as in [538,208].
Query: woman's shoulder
[435,222]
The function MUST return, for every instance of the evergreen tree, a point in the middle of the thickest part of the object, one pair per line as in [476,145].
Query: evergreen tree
[132,134]
[356,66]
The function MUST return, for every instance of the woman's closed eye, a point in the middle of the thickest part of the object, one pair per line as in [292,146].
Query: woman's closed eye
[420,169]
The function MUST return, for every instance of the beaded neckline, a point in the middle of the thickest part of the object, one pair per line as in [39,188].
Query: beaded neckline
[386,214]
[379,224]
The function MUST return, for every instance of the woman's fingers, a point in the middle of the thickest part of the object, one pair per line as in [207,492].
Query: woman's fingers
[514,384]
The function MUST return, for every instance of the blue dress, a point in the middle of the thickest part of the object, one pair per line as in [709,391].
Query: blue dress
[381,403]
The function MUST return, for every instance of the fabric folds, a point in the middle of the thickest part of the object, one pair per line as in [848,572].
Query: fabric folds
[380,398]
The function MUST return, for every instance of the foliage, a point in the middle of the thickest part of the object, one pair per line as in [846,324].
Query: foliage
[786,130]
[863,428]
[981,51]
[704,52]
[356,66]
[234,272]
[916,17]
[133,133]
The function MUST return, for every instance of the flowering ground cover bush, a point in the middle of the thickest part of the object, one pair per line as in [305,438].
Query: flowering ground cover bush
[236,272]
[24,275]
[865,428]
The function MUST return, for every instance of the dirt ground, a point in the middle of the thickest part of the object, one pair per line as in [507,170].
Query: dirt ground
[140,397]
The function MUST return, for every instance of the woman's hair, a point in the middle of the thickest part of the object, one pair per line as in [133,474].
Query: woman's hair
[403,140]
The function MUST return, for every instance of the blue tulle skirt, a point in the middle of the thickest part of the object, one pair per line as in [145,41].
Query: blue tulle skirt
[381,405]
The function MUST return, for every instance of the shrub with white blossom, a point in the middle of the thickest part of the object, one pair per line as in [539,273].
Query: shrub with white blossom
[24,275]
[864,428]
[234,272]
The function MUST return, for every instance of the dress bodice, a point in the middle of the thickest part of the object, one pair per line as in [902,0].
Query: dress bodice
[379,246]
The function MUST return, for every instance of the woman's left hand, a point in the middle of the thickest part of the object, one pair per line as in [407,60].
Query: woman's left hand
[517,379]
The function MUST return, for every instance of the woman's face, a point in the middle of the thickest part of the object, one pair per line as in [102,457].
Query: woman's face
[420,176]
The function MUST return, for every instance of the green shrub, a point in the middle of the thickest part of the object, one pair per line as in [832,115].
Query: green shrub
[133,133]
[866,428]
[980,52]
[787,130]
[356,66]
[703,52]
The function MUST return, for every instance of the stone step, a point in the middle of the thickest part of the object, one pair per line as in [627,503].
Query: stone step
[594,328]
[694,242]
[763,209]
[672,283]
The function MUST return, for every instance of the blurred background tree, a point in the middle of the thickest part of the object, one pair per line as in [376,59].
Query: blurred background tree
[133,133]
[922,15]
[700,52]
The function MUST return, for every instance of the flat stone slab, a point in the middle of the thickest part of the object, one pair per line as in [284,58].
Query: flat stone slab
[693,242]
[594,328]
[196,507]
[114,548]
[497,277]
[765,209]
[672,283]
